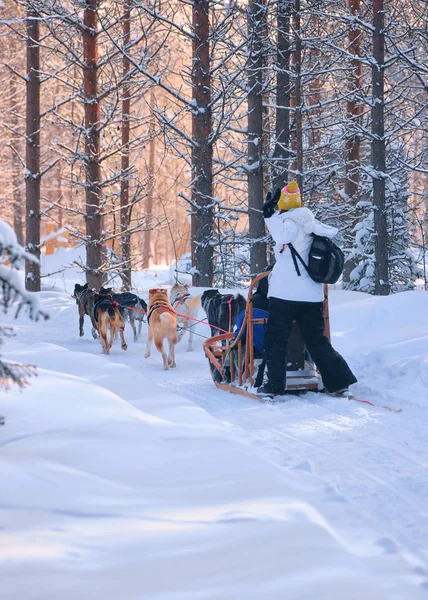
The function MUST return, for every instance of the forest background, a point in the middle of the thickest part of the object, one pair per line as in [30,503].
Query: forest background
[145,130]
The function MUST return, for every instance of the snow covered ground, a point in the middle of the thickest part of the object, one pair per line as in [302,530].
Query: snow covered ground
[122,481]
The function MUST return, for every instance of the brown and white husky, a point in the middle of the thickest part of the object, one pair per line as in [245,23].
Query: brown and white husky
[162,324]
[187,306]
[108,319]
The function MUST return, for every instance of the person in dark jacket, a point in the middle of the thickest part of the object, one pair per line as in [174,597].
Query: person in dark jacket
[297,298]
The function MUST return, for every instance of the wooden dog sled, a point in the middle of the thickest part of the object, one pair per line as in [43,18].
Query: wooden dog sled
[232,363]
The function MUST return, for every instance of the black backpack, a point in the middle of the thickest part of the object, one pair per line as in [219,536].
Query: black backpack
[325,261]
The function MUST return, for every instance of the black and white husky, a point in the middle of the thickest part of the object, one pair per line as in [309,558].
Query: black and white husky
[222,310]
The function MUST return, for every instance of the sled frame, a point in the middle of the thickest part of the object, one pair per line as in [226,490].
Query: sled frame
[219,347]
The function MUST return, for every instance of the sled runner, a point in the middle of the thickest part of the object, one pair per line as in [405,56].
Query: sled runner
[235,368]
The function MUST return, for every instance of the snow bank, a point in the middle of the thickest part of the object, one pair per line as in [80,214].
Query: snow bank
[387,339]
[104,500]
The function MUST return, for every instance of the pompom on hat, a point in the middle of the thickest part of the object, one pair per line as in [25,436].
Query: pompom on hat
[290,196]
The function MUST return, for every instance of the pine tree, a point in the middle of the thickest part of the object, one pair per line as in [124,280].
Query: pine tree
[402,267]
[14,295]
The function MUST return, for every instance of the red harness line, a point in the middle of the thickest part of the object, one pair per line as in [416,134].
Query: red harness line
[397,410]
[185,317]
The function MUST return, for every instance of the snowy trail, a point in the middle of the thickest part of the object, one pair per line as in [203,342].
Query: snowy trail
[375,482]
[363,468]
[358,456]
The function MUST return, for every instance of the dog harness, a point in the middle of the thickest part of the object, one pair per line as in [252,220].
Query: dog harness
[180,300]
[154,307]
[82,298]
[103,303]
[82,295]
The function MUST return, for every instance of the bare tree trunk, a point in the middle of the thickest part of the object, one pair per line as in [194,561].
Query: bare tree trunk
[378,160]
[150,187]
[202,152]
[256,35]
[59,180]
[282,129]
[92,146]
[32,154]
[125,241]
[297,98]
[314,92]
[353,119]
[15,153]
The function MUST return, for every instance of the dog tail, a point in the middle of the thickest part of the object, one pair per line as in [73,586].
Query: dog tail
[169,318]
[111,312]
[193,303]
[166,317]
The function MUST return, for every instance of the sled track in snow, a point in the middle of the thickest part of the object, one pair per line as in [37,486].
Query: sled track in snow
[361,474]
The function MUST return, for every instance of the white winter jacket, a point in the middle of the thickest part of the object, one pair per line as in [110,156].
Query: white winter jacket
[295,227]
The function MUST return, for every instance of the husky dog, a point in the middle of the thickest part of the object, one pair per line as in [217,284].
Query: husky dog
[222,310]
[85,301]
[132,308]
[108,319]
[182,302]
[162,324]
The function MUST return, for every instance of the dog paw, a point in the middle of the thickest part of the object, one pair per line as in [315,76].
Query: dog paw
[124,346]
[81,334]
[189,349]
[147,355]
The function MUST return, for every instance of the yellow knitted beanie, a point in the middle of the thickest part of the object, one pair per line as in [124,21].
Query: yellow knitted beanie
[290,197]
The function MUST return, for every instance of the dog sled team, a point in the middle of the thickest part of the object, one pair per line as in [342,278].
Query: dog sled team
[169,315]
[305,258]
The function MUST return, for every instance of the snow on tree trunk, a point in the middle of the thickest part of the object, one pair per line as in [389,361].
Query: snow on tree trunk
[256,61]
[353,122]
[282,126]
[378,161]
[92,147]
[125,242]
[32,154]
[202,151]
[150,187]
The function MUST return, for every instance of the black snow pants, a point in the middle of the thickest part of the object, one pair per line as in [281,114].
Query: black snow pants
[334,369]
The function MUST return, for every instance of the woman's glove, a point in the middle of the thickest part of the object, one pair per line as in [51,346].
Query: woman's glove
[270,203]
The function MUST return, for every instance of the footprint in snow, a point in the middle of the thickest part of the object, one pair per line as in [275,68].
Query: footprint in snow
[333,495]
[304,465]
[387,544]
